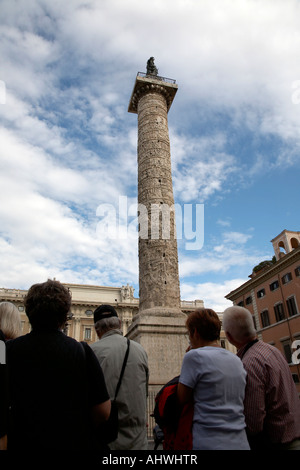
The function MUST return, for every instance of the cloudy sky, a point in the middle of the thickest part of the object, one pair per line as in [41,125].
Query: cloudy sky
[69,146]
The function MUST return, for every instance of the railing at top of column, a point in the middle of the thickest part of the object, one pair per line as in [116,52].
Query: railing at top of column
[156,77]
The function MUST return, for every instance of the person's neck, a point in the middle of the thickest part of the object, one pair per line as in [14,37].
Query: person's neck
[214,344]
[244,344]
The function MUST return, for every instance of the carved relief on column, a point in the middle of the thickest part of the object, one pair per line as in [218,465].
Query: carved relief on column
[158,258]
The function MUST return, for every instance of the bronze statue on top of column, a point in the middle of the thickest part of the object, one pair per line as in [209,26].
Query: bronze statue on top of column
[151,68]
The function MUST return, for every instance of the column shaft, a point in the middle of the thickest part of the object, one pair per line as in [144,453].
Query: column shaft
[158,258]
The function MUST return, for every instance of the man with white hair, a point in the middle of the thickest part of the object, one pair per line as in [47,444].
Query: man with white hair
[110,351]
[271,405]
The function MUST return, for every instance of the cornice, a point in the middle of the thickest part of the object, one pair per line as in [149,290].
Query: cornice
[144,85]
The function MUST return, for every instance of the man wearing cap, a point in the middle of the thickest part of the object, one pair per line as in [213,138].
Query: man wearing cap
[110,351]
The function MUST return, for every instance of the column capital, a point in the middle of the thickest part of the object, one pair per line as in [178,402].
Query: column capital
[152,84]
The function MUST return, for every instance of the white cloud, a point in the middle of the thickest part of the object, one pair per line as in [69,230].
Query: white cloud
[227,252]
[42,235]
[212,293]
[200,166]
[219,261]
[224,223]
[236,238]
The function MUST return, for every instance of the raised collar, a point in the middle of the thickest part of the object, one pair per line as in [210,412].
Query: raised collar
[242,351]
[112,332]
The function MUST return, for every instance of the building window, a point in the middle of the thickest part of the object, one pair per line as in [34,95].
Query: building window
[279,312]
[287,350]
[295,378]
[241,303]
[87,334]
[249,300]
[292,306]
[286,278]
[89,313]
[265,320]
[274,285]
[297,271]
[21,308]
[261,293]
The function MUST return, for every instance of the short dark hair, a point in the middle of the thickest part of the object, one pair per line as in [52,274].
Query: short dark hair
[48,304]
[206,322]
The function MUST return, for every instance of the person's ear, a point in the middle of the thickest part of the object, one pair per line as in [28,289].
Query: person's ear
[231,339]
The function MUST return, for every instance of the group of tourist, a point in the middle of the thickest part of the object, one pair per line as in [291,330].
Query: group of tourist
[57,393]
[243,401]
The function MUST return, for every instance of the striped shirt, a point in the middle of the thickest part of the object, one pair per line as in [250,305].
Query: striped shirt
[271,403]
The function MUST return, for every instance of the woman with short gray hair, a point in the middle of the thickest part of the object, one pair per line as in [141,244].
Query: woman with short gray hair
[10,320]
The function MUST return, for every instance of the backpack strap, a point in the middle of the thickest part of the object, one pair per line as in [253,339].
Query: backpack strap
[123,368]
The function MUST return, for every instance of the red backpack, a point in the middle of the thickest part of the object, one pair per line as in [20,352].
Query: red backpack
[175,423]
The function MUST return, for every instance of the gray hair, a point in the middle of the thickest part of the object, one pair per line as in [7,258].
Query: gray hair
[106,324]
[238,322]
[10,320]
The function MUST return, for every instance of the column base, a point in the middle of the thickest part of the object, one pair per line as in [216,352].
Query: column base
[163,335]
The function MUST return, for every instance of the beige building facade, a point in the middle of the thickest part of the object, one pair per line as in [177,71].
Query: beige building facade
[85,299]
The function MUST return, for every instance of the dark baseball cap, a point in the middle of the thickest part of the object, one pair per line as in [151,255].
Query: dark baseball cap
[104,311]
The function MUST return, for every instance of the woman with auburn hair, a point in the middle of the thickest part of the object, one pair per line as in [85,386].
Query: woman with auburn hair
[214,378]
